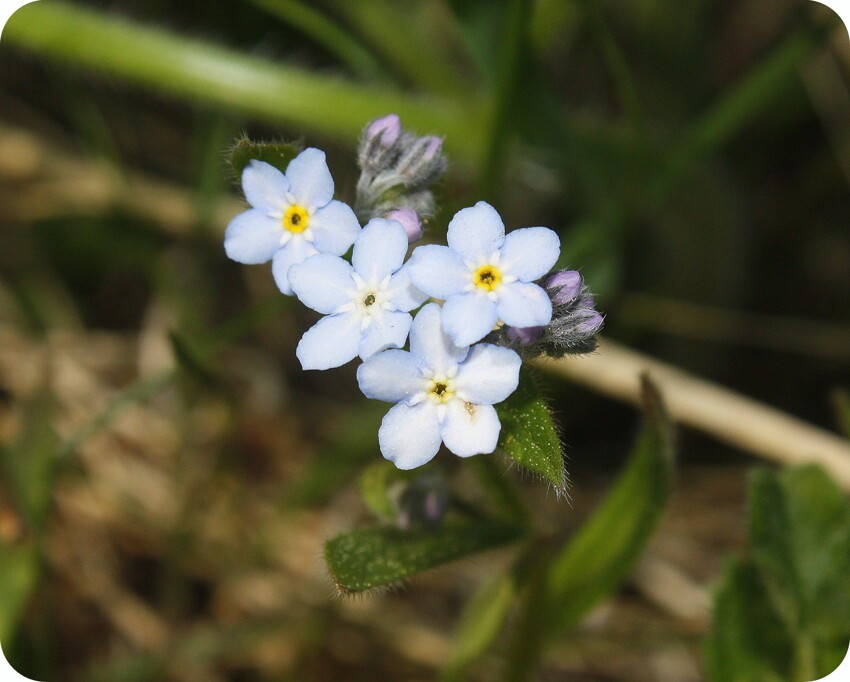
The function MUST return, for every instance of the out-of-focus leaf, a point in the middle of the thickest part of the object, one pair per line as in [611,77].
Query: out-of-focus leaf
[599,558]
[480,23]
[201,71]
[278,154]
[749,642]
[596,561]
[795,587]
[480,623]
[528,434]
[376,482]
[378,557]
[18,576]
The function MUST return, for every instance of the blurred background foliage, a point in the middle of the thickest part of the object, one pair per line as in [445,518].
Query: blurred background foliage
[169,475]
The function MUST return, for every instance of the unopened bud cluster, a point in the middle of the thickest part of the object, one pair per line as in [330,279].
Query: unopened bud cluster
[397,170]
[574,326]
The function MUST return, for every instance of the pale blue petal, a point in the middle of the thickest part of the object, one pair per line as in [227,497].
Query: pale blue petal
[379,250]
[265,186]
[468,318]
[469,429]
[296,250]
[403,294]
[530,253]
[524,305]
[310,179]
[476,232]
[429,343]
[252,237]
[334,228]
[392,376]
[489,374]
[438,271]
[387,331]
[410,436]
[331,342]
[322,282]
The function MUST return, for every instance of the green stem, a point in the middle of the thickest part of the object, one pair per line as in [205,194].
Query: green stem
[217,76]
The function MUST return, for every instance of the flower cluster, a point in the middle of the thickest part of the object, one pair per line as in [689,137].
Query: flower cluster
[490,293]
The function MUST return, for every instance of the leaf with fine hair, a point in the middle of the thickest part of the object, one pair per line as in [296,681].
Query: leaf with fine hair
[378,557]
[278,154]
[528,434]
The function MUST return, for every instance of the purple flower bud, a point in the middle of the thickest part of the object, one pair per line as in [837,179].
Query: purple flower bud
[409,219]
[587,301]
[433,146]
[563,286]
[387,129]
[524,335]
[591,324]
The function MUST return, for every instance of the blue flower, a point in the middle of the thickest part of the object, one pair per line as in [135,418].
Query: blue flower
[485,276]
[367,303]
[292,217]
[445,393]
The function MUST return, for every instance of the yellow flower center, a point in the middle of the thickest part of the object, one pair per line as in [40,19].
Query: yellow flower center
[487,277]
[296,219]
[440,390]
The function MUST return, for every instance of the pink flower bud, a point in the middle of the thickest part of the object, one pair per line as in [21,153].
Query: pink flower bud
[410,221]
[387,129]
[524,335]
[563,286]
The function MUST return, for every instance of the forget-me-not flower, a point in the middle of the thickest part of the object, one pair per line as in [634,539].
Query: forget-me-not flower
[367,303]
[293,216]
[485,276]
[444,393]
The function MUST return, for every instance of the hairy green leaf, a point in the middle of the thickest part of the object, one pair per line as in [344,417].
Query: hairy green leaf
[278,154]
[377,557]
[528,434]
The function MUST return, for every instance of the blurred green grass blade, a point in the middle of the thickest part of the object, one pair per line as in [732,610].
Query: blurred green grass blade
[512,58]
[403,35]
[379,557]
[218,76]
[480,23]
[599,558]
[762,87]
[278,154]
[19,568]
[528,435]
[321,28]
[480,623]
[29,463]
[748,643]
[499,488]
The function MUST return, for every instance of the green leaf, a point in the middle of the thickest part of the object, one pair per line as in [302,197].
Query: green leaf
[18,576]
[278,154]
[601,555]
[528,434]
[378,557]
[599,558]
[795,587]
[750,643]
